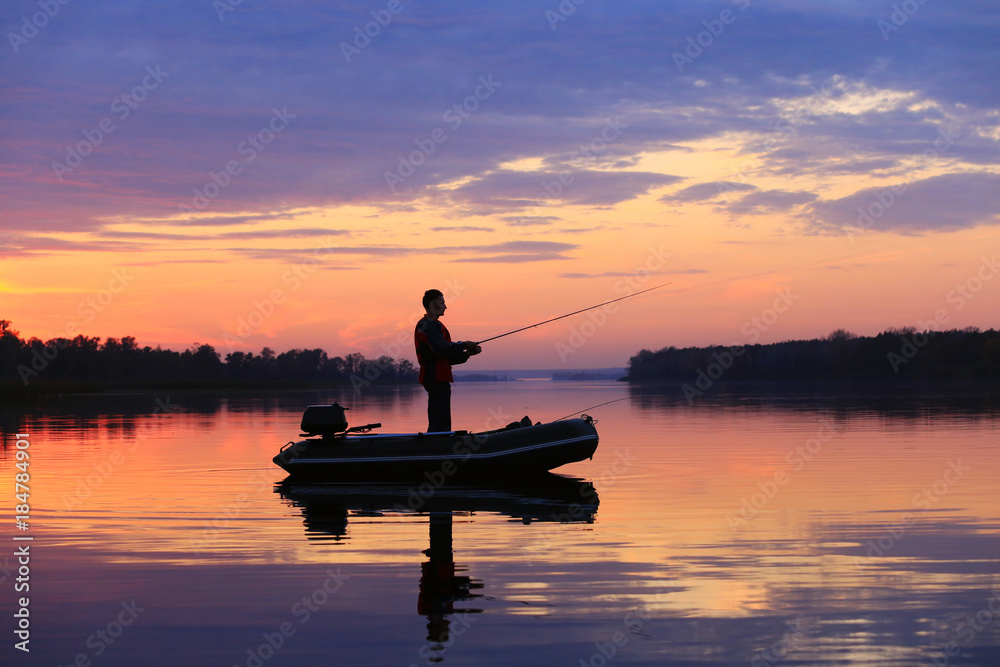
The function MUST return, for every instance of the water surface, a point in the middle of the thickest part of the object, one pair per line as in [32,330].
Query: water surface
[797,528]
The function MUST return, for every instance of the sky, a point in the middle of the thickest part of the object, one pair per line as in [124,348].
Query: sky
[295,174]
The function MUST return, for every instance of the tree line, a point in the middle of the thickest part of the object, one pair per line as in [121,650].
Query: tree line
[88,360]
[966,354]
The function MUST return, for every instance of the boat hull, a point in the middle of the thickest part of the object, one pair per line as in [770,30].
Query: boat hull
[441,456]
[543,497]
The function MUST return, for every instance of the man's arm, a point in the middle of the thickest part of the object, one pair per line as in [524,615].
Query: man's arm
[436,340]
[455,353]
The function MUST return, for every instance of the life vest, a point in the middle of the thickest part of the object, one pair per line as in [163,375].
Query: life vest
[433,366]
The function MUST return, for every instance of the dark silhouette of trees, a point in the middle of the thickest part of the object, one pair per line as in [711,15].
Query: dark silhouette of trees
[895,354]
[85,360]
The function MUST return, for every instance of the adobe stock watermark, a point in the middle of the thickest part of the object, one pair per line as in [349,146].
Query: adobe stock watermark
[796,459]
[30,26]
[966,631]
[464,448]
[924,499]
[588,153]
[562,12]
[263,309]
[122,107]
[898,17]
[452,289]
[776,652]
[88,309]
[605,651]
[103,638]
[432,651]
[223,7]
[884,199]
[598,317]
[547,536]
[957,298]
[752,330]
[363,35]
[703,40]
[102,470]
[454,117]
[302,610]
[250,148]
[634,621]
[259,483]
[7,570]
[213,528]
[788,126]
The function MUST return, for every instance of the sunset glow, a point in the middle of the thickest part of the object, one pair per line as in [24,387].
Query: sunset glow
[244,180]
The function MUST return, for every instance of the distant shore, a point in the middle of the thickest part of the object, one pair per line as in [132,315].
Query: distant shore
[901,356]
[14,389]
[35,367]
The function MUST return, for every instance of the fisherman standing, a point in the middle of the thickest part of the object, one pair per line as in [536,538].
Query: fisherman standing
[436,354]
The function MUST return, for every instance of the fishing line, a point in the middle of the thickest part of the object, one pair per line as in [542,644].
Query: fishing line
[592,407]
[575,312]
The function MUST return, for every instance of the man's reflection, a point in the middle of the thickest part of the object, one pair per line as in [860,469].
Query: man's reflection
[549,499]
[440,585]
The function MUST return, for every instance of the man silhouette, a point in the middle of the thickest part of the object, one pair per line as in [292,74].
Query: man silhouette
[436,354]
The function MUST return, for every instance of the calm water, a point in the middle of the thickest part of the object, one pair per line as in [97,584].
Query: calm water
[794,530]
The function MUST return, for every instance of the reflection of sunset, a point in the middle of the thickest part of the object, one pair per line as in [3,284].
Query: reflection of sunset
[685,496]
[692,527]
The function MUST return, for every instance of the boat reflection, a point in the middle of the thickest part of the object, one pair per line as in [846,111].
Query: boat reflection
[326,509]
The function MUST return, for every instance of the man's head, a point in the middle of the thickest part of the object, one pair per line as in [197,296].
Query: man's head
[434,302]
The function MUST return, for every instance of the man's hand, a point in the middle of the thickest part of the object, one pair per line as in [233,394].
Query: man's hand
[473,348]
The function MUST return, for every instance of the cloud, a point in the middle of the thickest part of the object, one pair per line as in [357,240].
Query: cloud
[509,251]
[306,232]
[530,220]
[505,189]
[244,235]
[880,102]
[229,220]
[24,245]
[792,162]
[705,191]
[943,203]
[461,229]
[513,258]
[515,252]
[623,274]
[769,201]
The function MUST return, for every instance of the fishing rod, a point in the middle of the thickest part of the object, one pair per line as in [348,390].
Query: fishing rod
[575,312]
[599,405]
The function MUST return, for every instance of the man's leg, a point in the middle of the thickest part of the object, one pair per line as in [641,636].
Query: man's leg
[438,406]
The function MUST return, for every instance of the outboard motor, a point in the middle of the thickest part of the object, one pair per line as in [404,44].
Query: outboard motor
[324,420]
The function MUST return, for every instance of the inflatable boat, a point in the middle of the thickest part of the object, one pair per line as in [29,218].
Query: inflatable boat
[332,451]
